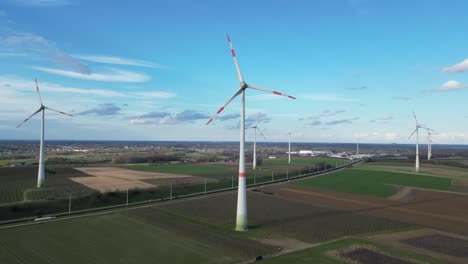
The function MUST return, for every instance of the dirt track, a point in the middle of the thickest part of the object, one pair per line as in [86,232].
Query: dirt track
[118,179]
[446,211]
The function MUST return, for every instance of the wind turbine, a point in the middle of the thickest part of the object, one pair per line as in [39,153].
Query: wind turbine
[357,146]
[42,108]
[289,152]
[416,130]
[255,127]
[429,144]
[241,218]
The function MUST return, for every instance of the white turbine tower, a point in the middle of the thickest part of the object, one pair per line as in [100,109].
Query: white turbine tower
[429,144]
[255,127]
[42,108]
[357,146]
[241,219]
[289,145]
[416,130]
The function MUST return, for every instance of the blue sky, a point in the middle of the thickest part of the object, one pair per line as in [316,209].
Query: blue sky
[158,71]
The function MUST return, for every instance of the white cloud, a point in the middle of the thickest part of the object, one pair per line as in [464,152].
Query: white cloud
[118,61]
[450,86]
[459,67]
[137,121]
[116,76]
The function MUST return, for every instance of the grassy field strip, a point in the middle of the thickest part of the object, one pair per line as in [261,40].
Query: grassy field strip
[426,169]
[369,182]
[378,206]
[185,198]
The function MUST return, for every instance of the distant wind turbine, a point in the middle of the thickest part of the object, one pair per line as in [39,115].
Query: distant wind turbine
[42,108]
[255,127]
[429,144]
[241,219]
[289,152]
[357,146]
[416,130]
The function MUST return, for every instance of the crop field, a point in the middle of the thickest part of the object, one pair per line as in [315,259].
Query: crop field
[303,161]
[220,172]
[425,169]
[189,231]
[273,216]
[19,184]
[136,236]
[373,182]
[321,254]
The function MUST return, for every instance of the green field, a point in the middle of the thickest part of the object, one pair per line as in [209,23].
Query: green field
[319,254]
[136,236]
[304,161]
[425,169]
[188,169]
[189,231]
[375,183]
[19,184]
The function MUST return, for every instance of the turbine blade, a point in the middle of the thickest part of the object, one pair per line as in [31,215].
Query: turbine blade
[26,120]
[258,119]
[239,74]
[38,92]
[412,133]
[261,132]
[224,106]
[60,112]
[269,91]
[414,115]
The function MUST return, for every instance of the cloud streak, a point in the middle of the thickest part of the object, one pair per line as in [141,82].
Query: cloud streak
[119,61]
[102,110]
[43,3]
[166,118]
[115,76]
[31,43]
[326,113]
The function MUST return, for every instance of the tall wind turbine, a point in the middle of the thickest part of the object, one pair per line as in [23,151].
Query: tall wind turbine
[357,146]
[241,219]
[289,152]
[416,130]
[42,108]
[255,127]
[429,144]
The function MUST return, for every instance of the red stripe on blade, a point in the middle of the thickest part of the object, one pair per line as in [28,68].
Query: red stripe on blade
[220,110]
[292,97]
[233,53]
[275,92]
[229,39]
[209,121]
[62,113]
[241,174]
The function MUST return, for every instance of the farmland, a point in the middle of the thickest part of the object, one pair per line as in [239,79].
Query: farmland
[18,184]
[320,254]
[190,231]
[373,182]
